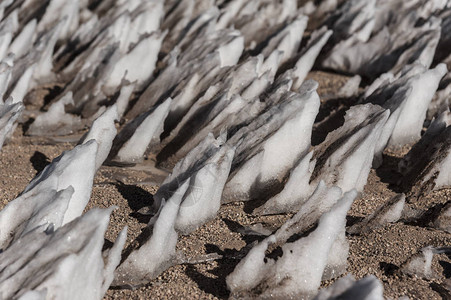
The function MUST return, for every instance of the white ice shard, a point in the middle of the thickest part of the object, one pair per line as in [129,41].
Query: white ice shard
[113,260]
[197,156]
[98,50]
[443,220]
[310,211]
[344,158]
[65,171]
[23,85]
[211,72]
[186,101]
[337,261]
[258,20]
[3,5]
[103,131]
[66,263]
[7,28]
[351,55]
[56,121]
[202,56]
[187,166]
[193,116]
[350,88]
[203,24]
[87,83]
[389,212]
[407,96]
[240,77]
[171,77]
[287,40]
[383,80]
[420,263]
[422,50]
[411,118]
[229,54]
[355,18]
[146,18]
[158,253]
[230,10]
[206,168]
[5,76]
[441,102]
[271,63]
[137,136]
[295,191]
[9,113]
[57,10]
[23,42]
[225,114]
[45,46]
[123,98]
[368,43]
[308,56]
[138,64]
[270,145]
[347,288]
[202,199]
[177,18]
[427,165]
[298,272]
[32,210]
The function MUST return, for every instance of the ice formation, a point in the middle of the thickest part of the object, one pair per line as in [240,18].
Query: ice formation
[143,132]
[337,260]
[187,166]
[258,161]
[103,131]
[9,113]
[347,288]
[33,210]
[182,67]
[440,102]
[308,214]
[5,76]
[66,263]
[65,171]
[228,102]
[420,263]
[123,98]
[344,158]
[443,220]
[296,190]
[350,88]
[56,121]
[158,253]
[367,42]
[201,201]
[188,198]
[308,56]
[298,272]
[407,98]
[138,64]
[426,166]
[389,212]
[216,92]
[287,40]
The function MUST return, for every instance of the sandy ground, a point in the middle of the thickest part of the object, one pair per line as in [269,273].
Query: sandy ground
[381,252]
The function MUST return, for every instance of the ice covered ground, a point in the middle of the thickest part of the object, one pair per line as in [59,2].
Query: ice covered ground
[212,100]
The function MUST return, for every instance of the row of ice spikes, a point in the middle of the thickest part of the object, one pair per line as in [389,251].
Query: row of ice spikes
[217,78]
